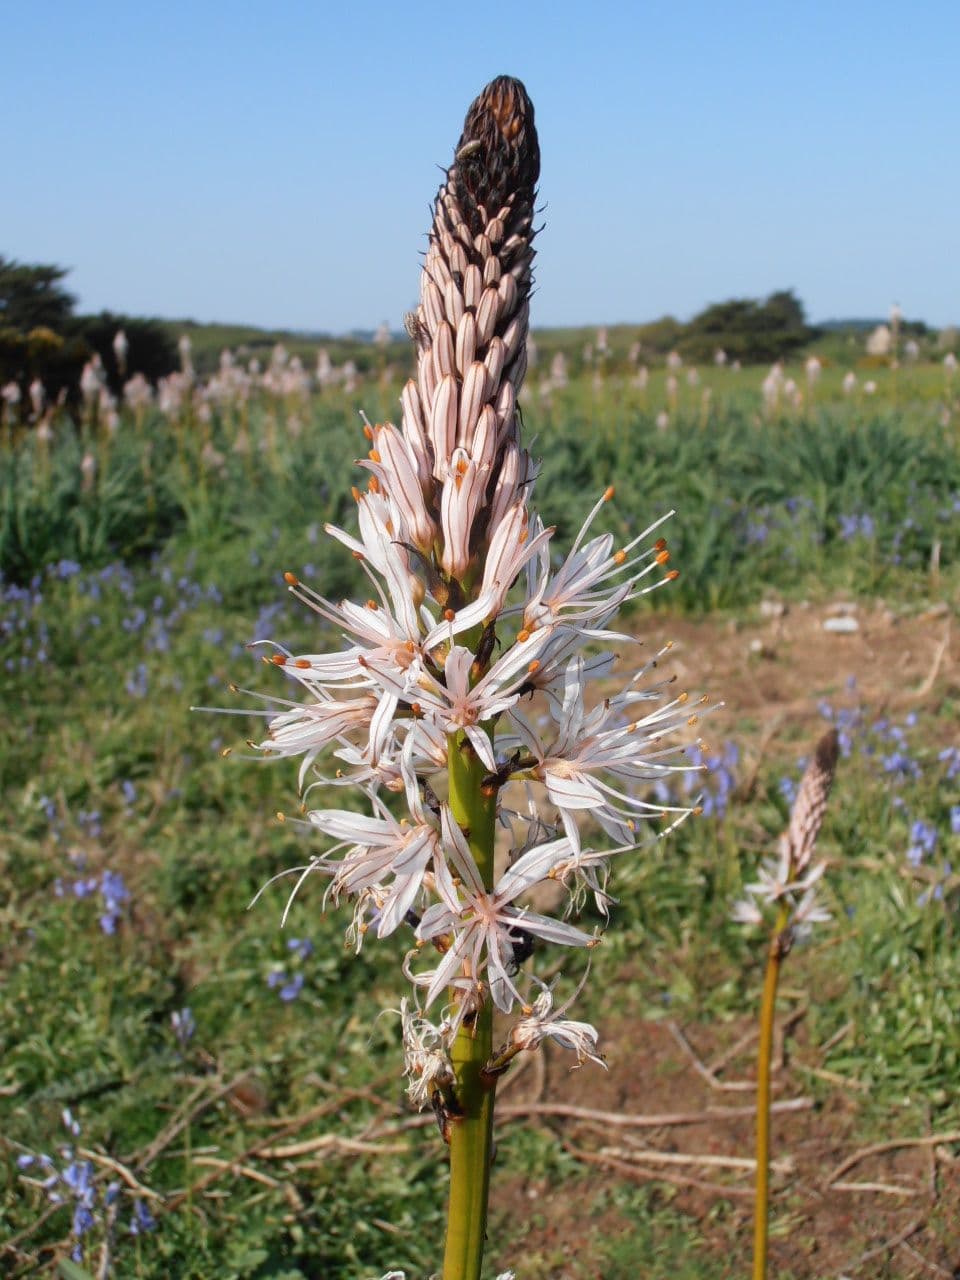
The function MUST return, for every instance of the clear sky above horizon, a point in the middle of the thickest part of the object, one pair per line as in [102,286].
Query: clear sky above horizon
[276,166]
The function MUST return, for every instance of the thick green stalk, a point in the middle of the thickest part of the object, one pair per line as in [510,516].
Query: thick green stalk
[761,1209]
[471,1133]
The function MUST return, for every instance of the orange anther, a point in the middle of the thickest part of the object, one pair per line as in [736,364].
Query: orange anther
[356,493]
[659,544]
[357,555]
[416,710]
[281,817]
[693,720]
[372,604]
[682,698]
[523,636]
[374,455]
[449,615]
[534,666]
[303,664]
[368,430]
[671,575]
[663,557]
[278,659]
[373,484]
[291,580]
[227,751]
[619,557]
[608,493]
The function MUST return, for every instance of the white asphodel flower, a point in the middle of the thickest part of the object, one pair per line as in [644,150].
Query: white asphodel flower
[779,884]
[426,1063]
[573,593]
[541,1022]
[484,927]
[789,883]
[590,745]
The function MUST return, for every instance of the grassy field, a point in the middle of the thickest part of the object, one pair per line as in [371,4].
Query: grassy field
[211,1096]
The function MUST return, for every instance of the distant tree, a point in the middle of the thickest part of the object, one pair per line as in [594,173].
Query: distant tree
[748,330]
[41,337]
[660,336]
[31,297]
[151,349]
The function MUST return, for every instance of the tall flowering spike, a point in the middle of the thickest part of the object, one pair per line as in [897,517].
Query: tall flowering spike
[810,806]
[460,415]
[473,624]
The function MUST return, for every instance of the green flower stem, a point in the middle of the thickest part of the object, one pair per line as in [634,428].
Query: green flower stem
[761,1209]
[471,1132]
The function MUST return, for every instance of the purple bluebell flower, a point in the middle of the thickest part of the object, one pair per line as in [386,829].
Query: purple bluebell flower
[923,842]
[302,947]
[142,1219]
[788,789]
[114,893]
[757,532]
[138,683]
[901,765]
[720,780]
[293,988]
[955,819]
[135,621]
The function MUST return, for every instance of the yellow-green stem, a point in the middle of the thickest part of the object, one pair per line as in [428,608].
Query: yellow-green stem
[761,1211]
[471,1133]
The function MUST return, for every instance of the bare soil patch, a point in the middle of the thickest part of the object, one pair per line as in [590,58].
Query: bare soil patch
[891,1212]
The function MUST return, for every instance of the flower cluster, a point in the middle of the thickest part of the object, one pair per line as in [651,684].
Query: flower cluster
[70,1180]
[111,887]
[467,670]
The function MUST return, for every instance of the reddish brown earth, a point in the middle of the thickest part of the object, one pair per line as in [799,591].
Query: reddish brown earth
[896,1213]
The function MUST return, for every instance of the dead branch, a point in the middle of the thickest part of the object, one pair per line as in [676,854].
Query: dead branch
[702,1070]
[925,1262]
[628,1120]
[888,1246]
[893,1144]
[636,1174]
[328,1141]
[878,1188]
[644,1155]
[108,1162]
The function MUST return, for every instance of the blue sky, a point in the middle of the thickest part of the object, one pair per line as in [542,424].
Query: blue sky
[276,165]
